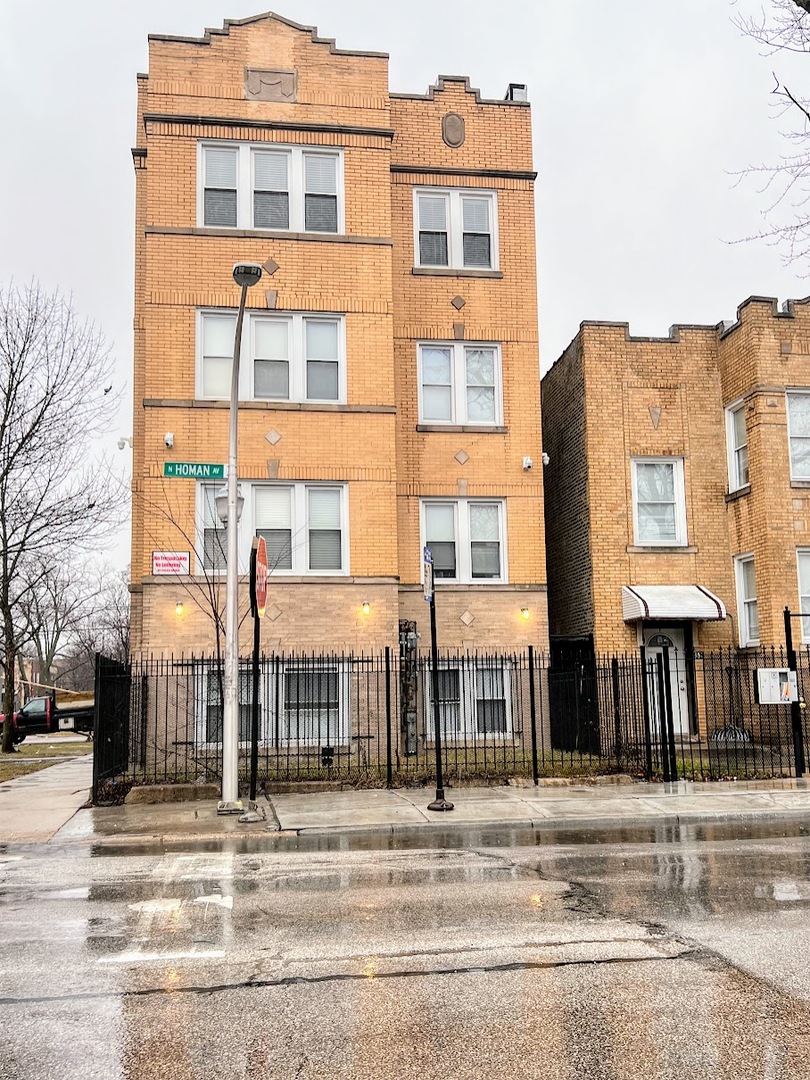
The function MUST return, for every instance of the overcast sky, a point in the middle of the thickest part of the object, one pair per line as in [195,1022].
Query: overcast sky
[642,112]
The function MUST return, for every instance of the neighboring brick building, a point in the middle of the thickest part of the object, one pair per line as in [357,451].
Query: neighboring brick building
[389,376]
[681,462]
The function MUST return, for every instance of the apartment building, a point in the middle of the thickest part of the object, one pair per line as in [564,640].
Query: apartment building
[389,380]
[677,496]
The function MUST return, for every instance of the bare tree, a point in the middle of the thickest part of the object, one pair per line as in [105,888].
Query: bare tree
[785,27]
[55,401]
[102,628]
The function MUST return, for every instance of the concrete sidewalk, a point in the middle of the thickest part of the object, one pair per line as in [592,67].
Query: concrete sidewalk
[559,808]
[34,807]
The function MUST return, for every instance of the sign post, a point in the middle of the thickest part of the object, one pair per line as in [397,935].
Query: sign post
[439,803]
[258,602]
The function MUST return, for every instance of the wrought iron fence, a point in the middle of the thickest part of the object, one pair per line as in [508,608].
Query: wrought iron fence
[367,719]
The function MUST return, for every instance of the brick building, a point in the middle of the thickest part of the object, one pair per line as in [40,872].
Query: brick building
[677,496]
[389,384]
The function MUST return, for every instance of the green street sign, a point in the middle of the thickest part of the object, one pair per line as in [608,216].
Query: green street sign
[190,470]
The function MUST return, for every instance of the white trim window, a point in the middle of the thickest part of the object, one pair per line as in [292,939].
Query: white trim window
[748,615]
[466,538]
[208,699]
[803,561]
[475,699]
[270,187]
[737,443]
[459,383]
[213,537]
[798,422]
[455,229]
[290,357]
[304,526]
[659,503]
[313,704]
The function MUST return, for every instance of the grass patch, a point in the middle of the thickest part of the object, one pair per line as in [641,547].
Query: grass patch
[11,767]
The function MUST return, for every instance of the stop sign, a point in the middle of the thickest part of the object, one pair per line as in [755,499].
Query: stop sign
[259,575]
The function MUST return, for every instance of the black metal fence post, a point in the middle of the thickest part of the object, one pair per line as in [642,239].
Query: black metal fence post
[668,713]
[533,715]
[389,770]
[617,715]
[645,700]
[795,707]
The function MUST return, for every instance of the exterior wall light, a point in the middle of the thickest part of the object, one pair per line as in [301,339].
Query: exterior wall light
[178,607]
[524,611]
[366,606]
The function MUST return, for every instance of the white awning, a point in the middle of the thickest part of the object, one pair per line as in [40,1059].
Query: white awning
[658,602]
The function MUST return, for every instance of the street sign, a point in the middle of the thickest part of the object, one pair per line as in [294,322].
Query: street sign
[427,558]
[259,573]
[190,470]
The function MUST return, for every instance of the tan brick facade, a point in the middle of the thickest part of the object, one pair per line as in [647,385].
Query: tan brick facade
[372,445]
[612,398]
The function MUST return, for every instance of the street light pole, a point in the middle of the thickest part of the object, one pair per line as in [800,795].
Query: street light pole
[245,275]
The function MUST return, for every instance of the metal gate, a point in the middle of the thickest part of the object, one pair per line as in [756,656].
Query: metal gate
[111,722]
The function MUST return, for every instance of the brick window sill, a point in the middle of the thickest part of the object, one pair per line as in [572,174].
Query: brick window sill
[740,493]
[444,271]
[470,429]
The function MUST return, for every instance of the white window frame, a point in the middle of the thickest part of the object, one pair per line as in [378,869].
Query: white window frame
[680,501]
[804,598]
[468,673]
[295,178]
[744,602]
[461,525]
[204,671]
[458,384]
[455,239]
[735,481]
[340,738]
[797,392]
[298,366]
[300,528]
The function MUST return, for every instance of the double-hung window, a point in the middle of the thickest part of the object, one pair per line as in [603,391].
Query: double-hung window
[659,505]
[803,559]
[303,527]
[213,533]
[209,696]
[289,357]
[459,383]
[315,703]
[284,188]
[466,539]
[747,600]
[798,414]
[474,698]
[455,229]
[737,442]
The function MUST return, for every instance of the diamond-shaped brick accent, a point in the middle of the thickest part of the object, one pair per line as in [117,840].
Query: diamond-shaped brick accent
[458,302]
[273,436]
[272,613]
[462,457]
[468,618]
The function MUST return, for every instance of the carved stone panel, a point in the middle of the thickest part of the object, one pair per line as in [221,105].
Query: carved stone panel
[453,129]
[267,85]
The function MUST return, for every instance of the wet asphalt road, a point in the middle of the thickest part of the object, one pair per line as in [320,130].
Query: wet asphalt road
[637,954]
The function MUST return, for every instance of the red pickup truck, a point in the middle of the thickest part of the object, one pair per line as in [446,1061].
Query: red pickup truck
[41,715]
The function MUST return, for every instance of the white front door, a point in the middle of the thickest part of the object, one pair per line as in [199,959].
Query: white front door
[673,640]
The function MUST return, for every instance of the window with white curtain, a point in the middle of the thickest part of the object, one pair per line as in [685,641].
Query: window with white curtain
[455,229]
[475,698]
[659,505]
[284,357]
[214,539]
[466,539]
[803,559]
[798,414]
[460,383]
[270,186]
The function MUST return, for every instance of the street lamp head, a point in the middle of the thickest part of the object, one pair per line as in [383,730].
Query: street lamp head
[221,503]
[247,274]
